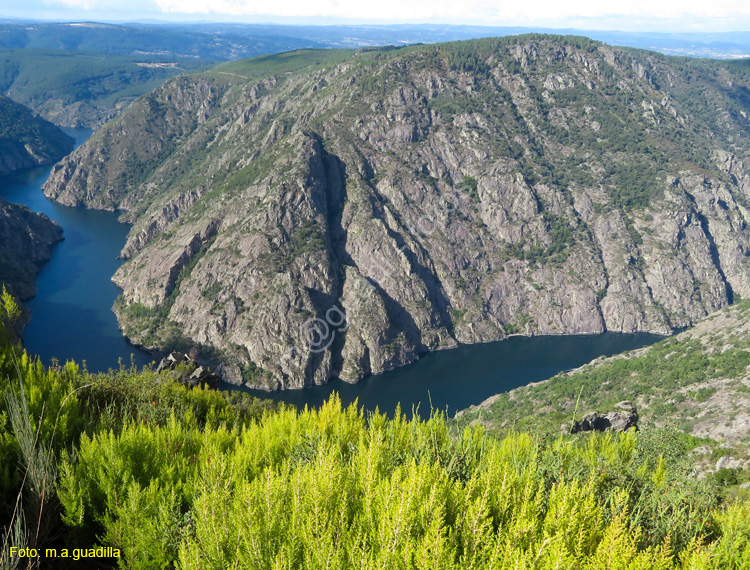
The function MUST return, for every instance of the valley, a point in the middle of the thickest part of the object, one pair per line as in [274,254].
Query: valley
[428,196]
[476,304]
[26,237]
[73,284]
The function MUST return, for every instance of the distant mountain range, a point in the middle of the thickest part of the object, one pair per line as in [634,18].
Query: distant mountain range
[84,73]
[167,40]
[712,45]
[225,41]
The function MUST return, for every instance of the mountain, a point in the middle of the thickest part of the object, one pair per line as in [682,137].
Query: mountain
[27,140]
[84,73]
[697,381]
[340,213]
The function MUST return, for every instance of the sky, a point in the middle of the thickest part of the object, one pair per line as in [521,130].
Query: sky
[628,15]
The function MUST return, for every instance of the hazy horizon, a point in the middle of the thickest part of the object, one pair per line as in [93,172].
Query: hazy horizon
[639,16]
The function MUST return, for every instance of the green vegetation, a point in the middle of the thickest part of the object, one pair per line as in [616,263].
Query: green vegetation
[511,328]
[307,238]
[21,130]
[83,86]
[189,478]
[469,185]
[670,380]
[561,238]
[46,412]
[283,63]
[457,314]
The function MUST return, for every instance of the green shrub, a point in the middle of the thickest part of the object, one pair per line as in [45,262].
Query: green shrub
[190,478]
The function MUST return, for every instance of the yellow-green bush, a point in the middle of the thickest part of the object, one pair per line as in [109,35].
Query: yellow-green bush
[45,411]
[335,489]
[195,479]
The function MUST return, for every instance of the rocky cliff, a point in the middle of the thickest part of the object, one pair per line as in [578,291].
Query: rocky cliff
[336,213]
[27,140]
[26,240]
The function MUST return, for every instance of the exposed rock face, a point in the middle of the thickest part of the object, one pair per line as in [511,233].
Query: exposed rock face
[27,140]
[194,373]
[344,219]
[622,420]
[26,241]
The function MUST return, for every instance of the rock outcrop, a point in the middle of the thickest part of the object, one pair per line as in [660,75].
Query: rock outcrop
[623,419]
[191,373]
[345,218]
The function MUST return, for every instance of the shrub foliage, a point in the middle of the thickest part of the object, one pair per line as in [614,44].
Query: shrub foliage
[179,478]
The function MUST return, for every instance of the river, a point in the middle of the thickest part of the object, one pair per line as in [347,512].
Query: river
[71,315]
[72,319]
[450,380]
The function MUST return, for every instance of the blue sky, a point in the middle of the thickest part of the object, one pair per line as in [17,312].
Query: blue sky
[638,15]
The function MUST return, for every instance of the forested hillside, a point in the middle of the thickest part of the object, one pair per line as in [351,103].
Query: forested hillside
[84,73]
[186,41]
[161,476]
[28,140]
[331,213]
[76,89]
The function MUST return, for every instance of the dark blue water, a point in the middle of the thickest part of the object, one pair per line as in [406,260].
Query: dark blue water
[71,316]
[451,380]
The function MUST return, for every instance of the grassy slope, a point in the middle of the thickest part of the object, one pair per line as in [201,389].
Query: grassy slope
[288,62]
[697,382]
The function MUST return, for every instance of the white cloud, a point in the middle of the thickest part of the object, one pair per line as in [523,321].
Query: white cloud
[99,5]
[509,12]
[663,15]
